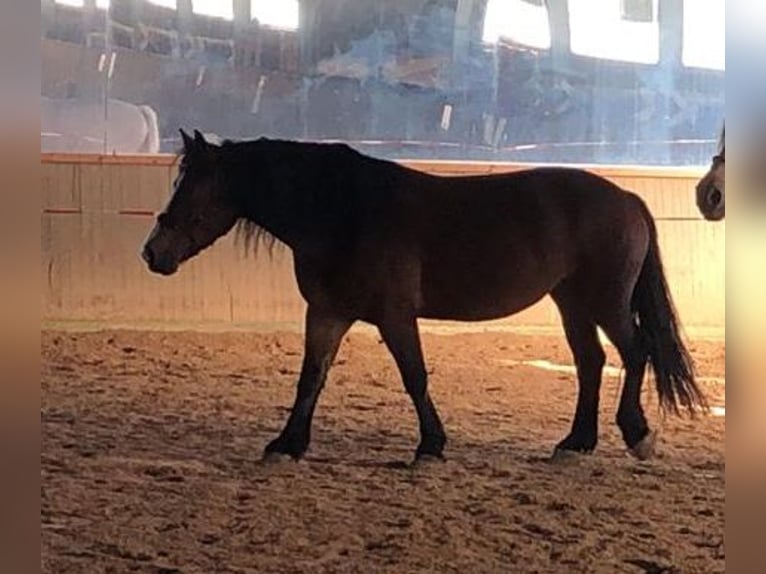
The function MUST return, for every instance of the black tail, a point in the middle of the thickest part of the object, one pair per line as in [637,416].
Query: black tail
[658,322]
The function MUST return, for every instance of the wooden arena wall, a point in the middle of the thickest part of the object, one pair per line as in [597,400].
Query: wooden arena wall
[97,211]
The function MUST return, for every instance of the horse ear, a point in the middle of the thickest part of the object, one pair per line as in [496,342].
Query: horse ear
[188,142]
[199,139]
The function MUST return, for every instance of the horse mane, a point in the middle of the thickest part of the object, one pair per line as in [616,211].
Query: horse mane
[251,235]
[247,232]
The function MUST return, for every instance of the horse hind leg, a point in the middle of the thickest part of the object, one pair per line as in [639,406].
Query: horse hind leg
[614,316]
[589,357]
[626,336]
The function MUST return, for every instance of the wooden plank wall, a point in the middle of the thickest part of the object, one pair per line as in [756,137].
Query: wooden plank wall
[97,212]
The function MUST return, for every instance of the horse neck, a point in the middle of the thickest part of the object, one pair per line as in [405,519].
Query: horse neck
[290,190]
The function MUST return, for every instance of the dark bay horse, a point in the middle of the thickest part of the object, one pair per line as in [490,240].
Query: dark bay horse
[711,192]
[377,242]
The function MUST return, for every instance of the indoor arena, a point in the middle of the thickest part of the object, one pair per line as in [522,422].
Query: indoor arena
[399,287]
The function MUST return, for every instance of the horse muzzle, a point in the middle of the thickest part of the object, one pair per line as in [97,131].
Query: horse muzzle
[711,202]
[162,265]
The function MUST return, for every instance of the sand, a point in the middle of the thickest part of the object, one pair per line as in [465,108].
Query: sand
[152,443]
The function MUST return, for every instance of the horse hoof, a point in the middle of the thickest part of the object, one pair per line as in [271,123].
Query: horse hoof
[566,456]
[644,449]
[423,460]
[277,458]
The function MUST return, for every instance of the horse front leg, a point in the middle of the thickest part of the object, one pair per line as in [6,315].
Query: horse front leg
[324,332]
[403,341]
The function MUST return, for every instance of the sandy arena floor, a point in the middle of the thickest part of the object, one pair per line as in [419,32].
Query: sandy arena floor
[151,446]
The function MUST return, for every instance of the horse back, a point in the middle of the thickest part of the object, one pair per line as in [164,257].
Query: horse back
[491,246]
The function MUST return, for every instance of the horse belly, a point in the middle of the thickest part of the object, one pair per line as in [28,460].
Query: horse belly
[474,293]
